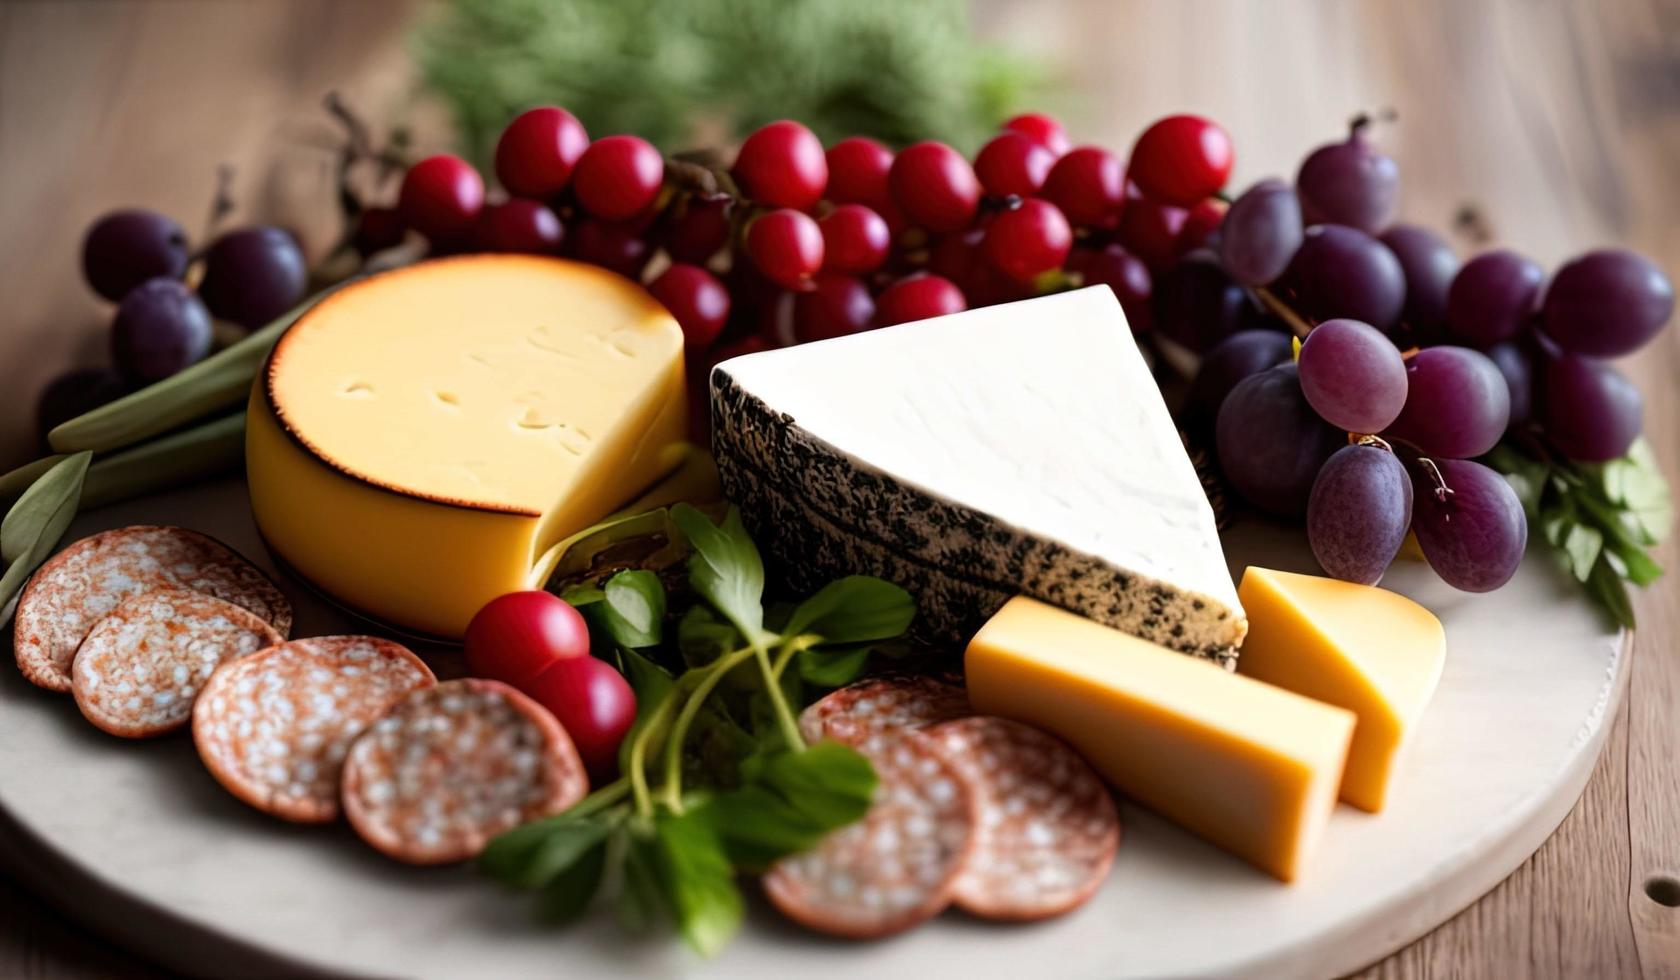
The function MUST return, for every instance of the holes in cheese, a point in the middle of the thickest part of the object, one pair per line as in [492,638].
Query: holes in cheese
[419,439]
[1369,650]
[1250,767]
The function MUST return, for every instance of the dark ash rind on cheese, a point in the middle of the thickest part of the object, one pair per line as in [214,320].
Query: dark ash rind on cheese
[821,511]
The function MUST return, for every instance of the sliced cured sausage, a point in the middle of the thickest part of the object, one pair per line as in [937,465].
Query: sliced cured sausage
[1047,827]
[85,581]
[141,667]
[452,766]
[871,713]
[273,727]
[896,867]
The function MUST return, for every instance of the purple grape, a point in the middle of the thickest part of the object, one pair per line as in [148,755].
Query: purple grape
[1350,183]
[1515,362]
[1588,410]
[1343,272]
[76,393]
[1492,297]
[1197,305]
[1607,303]
[1260,233]
[1457,403]
[1236,357]
[1474,536]
[1430,265]
[1271,443]
[1357,516]
[253,275]
[161,327]
[125,248]
[1353,376]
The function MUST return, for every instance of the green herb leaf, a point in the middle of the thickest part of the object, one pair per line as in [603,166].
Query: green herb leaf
[1611,592]
[33,526]
[568,894]
[532,855]
[702,637]
[725,568]
[698,879]
[635,608]
[833,666]
[1635,483]
[639,891]
[789,801]
[855,609]
[652,684]
[1582,545]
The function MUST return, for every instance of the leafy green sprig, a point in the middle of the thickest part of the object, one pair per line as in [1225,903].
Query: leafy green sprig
[716,780]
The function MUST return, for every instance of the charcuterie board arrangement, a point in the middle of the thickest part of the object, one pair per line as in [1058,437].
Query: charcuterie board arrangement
[872,543]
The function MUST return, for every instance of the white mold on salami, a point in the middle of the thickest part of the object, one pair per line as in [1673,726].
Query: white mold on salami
[85,581]
[274,727]
[140,669]
[452,766]
[1047,826]
[871,713]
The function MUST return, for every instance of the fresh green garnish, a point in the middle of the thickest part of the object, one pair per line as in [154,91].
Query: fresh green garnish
[35,523]
[716,778]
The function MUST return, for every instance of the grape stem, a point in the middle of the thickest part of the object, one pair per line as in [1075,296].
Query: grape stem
[1442,491]
[1269,299]
[1367,439]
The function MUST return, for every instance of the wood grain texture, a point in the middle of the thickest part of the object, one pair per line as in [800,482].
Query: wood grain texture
[1560,120]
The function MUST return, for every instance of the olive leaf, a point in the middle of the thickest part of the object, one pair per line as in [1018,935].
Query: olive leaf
[35,523]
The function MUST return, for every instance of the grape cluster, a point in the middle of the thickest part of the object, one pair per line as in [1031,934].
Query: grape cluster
[1411,366]
[142,261]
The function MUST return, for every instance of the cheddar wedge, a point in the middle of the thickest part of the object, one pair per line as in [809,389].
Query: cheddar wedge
[418,440]
[1369,650]
[1250,767]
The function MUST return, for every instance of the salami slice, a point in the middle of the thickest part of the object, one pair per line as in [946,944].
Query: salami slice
[896,867]
[85,581]
[1047,828]
[452,766]
[141,667]
[871,713]
[273,727]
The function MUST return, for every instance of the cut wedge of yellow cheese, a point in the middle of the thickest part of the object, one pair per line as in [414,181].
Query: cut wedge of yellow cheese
[1250,767]
[1369,650]
[419,440]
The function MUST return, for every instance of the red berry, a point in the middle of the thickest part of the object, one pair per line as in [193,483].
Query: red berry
[787,246]
[1182,159]
[1041,129]
[1123,273]
[1013,165]
[918,297]
[855,239]
[1150,230]
[1028,240]
[956,256]
[700,229]
[519,225]
[593,703]
[857,172]
[619,247]
[834,306]
[537,151]
[697,299]
[517,636]
[935,186]
[440,197]
[1200,224]
[618,177]
[1088,184]
[378,229]
[781,165]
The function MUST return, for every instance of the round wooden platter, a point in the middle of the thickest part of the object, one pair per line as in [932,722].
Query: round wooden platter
[138,841]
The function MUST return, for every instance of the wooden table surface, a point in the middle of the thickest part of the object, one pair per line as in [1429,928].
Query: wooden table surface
[1559,120]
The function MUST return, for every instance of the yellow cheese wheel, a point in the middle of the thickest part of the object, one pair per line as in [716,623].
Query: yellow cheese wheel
[419,440]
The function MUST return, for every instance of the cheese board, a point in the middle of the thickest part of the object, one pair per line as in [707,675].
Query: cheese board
[138,841]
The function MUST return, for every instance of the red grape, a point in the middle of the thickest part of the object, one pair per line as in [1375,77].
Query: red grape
[1042,129]
[125,248]
[1244,353]
[855,239]
[1492,296]
[1358,513]
[1028,240]
[160,328]
[74,393]
[1352,376]
[517,636]
[858,169]
[611,245]
[1474,536]
[537,151]
[253,275]
[918,297]
[378,229]
[519,225]
[1343,272]
[1201,224]
[1013,165]
[781,165]
[698,301]
[1457,403]
[1150,230]
[1124,274]
[935,186]
[1089,185]
[1589,411]
[1349,183]
[787,246]
[1271,444]
[1182,159]
[1429,264]
[700,229]
[1197,305]
[618,177]
[593,703]
[1607,303]
[836,305]
[440,197]
[1514,361]
[1261,233]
